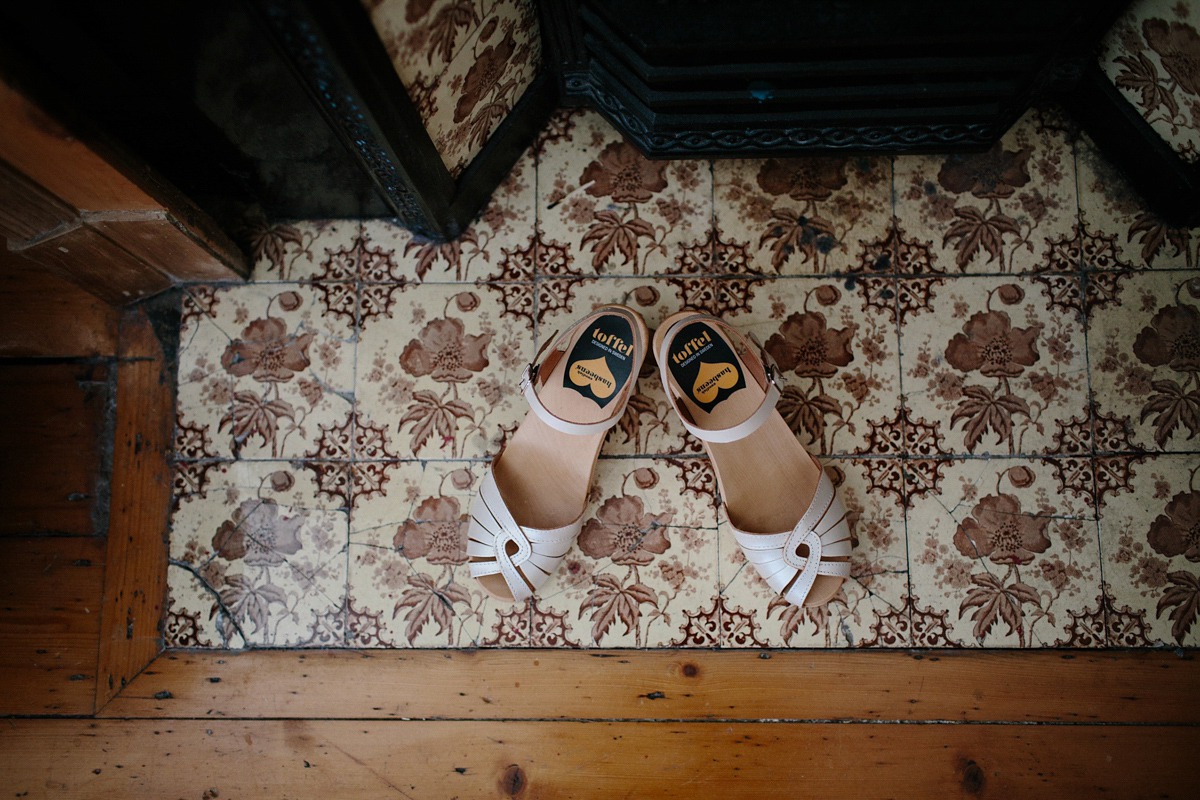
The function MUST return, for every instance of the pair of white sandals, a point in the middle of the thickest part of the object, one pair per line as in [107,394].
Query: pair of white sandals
[530,505]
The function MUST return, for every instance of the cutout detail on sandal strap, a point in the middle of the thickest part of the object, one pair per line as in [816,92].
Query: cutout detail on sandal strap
[492,527]
[823,529]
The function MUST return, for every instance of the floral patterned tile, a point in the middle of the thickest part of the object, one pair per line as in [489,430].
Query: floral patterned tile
[1006,210]
[1150,54]
[423,38]
[499,246]
[836,349]
[263,370]
[1119,230]
[482,83]
[868,611]
[1152,556]
[1002,559]
[259,560]
[603,208]
[438,379]
[1145,359]
[204,388]
[302,516]
[302,250]
[998,359]
[409,583]
[645,560]
[800,215]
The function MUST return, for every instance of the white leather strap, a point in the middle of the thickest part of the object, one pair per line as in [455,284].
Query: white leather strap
[746,426]
[823,530]
[742,429]
[528,377]
[492,528]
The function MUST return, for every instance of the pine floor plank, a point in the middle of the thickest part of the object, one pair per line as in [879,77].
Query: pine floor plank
[386,758]
[135,581]
[56,424]
[50,597]
[1133,687]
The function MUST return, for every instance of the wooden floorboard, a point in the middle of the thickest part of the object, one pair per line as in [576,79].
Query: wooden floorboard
[50,595]
[56,424]
[135,582]
[1112,687]
[391,758]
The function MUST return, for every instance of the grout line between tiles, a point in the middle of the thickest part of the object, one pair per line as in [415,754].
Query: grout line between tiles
[1091,397]
[904,498]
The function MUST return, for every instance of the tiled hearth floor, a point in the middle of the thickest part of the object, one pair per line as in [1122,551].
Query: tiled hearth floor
[996,356]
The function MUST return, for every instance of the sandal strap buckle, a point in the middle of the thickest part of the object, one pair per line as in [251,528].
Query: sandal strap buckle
[528,376]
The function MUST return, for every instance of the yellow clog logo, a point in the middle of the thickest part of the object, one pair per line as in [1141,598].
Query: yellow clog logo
[595,374]
[711,379]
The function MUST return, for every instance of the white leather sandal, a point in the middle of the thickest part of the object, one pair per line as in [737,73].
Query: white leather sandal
[779,501]
[531,502]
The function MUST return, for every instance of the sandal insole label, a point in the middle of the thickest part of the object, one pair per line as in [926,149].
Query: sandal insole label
[704,365]
[602,359]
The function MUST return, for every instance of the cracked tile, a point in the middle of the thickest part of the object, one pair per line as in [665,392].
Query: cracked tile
[439,378]
[259,560]
[1001,558]
[869,609]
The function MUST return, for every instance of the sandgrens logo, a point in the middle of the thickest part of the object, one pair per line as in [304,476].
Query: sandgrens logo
[707,386]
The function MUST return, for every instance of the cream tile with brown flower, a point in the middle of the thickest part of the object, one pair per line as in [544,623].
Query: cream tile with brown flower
[1145,359]
[409,581]
[259,559]
[439,378]
[999,211]
[284,374]
[644,561]
[1003,559]
[836,349]
[1152,55]
[482,82]
[790,216]
[204,389]
[423,36]
[605,208]
[1150,537]
[997,361]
